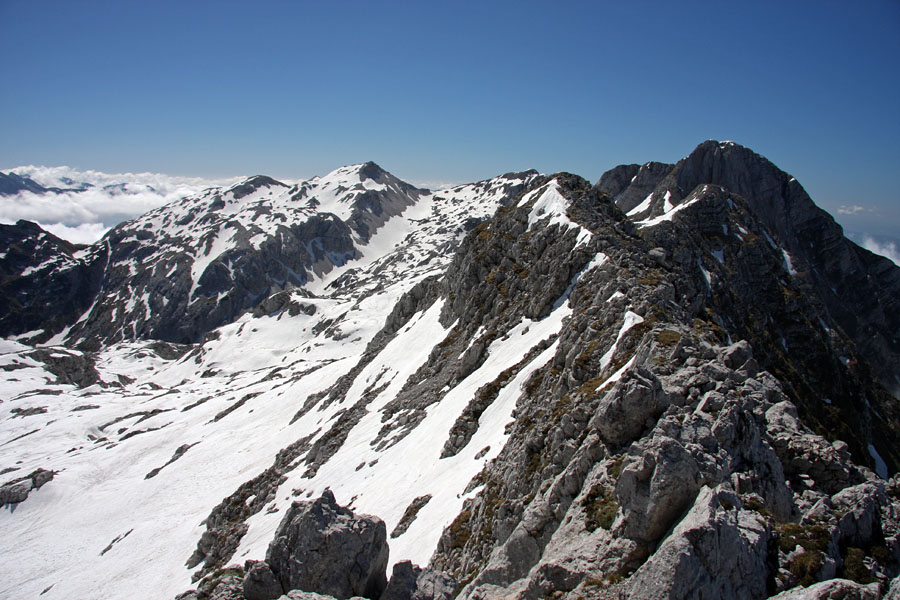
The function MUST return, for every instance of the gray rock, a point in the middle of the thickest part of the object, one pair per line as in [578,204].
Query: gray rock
[623,412]
[228,588]
[859,506]
[41,477]
[833,589]
[893,592]
[300,595]
[325,548]
[737,354]
[260,582]
[717,551]
[411,582]
[14,493]
[658,482]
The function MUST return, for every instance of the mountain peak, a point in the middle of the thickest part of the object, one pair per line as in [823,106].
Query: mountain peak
[370,170]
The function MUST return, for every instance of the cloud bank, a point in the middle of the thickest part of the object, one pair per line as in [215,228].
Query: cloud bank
[98,201]
[885,249]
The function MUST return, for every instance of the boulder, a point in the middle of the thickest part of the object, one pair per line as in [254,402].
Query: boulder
[833,589]
[625,410]
[411,582]
[325,548]
[658,482]
[260,582]
[14,493]
[228,588]
[718,550]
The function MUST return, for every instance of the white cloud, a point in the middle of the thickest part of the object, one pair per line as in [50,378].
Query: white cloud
[851,210]
[164,185]
[434,185]
[888,249]
[86,233]
[110,199]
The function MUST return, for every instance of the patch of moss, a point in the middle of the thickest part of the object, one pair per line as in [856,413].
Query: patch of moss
[810,537]
[806,566]
[615,469]
[459,529]
[668,337]
[757,506]
[601,507]
[814,539]
[854,568]
[451,337]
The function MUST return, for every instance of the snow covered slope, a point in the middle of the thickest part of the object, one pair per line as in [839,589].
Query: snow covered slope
[539,394]
[214,415]
[197,263]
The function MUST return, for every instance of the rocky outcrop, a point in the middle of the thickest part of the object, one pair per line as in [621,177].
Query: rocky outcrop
[18,490]
[718,550]
[834,589]
[260,583]
[410,582]
[43,285]
[322,547]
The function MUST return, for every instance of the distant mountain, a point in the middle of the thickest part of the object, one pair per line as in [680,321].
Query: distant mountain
[11,184]
[678,382]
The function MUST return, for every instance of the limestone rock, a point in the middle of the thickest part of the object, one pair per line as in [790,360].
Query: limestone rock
[260,582]
[14,493]
[718,550]
[410,582]
[323,547]
[658,482]
[833,589]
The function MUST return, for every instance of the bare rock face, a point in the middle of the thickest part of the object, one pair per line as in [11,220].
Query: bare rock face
[325,548]
[410,582]
[832,590]
[260,582]
[718,550]
[18,490]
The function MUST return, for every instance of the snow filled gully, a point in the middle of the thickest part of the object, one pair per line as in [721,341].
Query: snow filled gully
[385,483]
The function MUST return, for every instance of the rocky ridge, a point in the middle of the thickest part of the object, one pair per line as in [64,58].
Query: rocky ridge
[594,396]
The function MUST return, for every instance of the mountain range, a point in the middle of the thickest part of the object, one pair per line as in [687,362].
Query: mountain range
[680,381]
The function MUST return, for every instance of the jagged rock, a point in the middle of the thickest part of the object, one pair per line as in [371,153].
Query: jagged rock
[300,595]
[893,592]
[260,582]
[228,588]
[322,547]
[411,582]
[623,412]
[658,482]
[14,493]
[19,489]
[833,589]
[719,445]
[718,550]
[737,354]
[859,511]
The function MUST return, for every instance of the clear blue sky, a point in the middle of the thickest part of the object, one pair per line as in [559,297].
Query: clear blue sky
[457,91]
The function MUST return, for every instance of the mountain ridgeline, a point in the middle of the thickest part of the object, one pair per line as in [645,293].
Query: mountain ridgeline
[682,381]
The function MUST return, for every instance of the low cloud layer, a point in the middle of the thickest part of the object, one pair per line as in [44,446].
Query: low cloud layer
[886,249]
[84,216]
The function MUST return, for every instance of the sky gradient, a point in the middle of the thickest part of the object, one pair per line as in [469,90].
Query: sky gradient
[454,92]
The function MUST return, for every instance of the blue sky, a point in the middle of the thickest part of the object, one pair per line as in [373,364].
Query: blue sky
[453,92]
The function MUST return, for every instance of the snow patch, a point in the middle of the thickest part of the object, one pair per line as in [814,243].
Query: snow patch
[880,466]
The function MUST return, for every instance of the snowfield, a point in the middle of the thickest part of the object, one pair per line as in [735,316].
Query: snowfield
[143,455]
